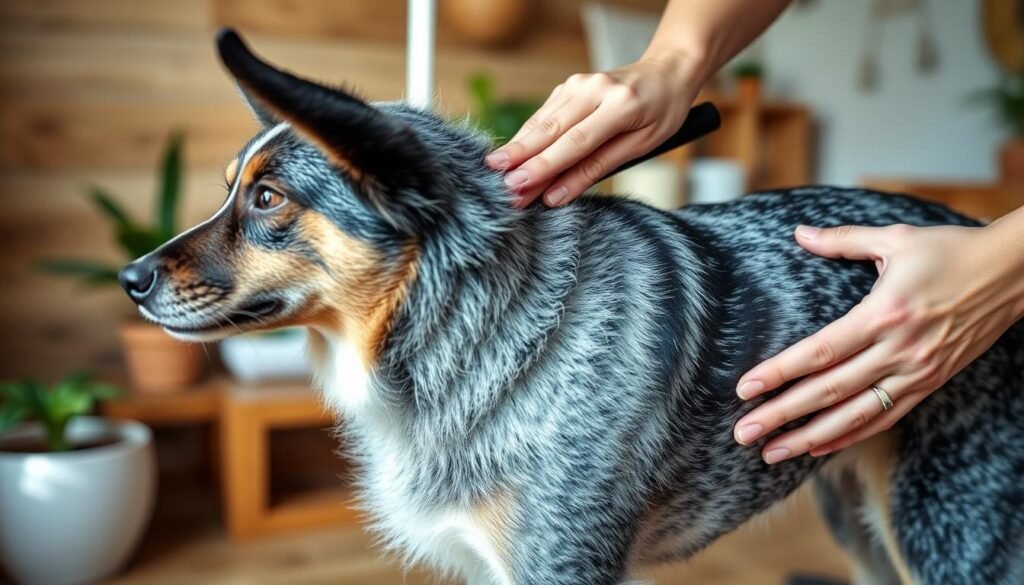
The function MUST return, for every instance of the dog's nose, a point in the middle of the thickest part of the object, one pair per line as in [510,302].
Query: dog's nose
[138,279]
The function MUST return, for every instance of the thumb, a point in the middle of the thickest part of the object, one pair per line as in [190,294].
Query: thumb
[847,241]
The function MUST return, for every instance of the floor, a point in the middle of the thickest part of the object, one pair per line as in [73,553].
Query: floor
[187,545]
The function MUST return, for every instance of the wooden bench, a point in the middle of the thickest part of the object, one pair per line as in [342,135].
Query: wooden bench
[241,417]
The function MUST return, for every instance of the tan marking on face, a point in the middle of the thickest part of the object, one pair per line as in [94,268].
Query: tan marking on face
[495,516]
[231,172]
[254,167]
[363,292]
[356,299]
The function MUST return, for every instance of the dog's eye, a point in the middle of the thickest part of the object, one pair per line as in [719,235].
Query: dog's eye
[269,199]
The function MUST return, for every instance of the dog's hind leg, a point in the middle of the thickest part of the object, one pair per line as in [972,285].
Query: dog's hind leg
[841,500]
[855,503]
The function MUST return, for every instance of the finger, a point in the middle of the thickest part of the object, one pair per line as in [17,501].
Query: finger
[555,100]
[850,242]
[499,159]
[832,344]
[528,196]
[543,134]
[815,393]
[584,174]
[572,146]
[881,423]
[854,413]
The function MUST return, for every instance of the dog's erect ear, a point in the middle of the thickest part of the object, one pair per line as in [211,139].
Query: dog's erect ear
[380,153]
[262,115]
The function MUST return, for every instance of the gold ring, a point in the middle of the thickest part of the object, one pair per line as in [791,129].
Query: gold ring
[884,397]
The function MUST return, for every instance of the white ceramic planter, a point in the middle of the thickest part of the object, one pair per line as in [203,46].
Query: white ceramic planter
[75,517]
[252,358]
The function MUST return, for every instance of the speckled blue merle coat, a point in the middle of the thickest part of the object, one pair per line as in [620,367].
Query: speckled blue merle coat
[546,396]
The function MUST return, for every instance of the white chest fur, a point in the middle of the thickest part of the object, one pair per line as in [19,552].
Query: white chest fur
[452,541]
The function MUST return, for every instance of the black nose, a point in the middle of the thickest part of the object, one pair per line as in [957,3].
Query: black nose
[138,279]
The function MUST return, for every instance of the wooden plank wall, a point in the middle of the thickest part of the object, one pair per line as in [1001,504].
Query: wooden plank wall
[89,90]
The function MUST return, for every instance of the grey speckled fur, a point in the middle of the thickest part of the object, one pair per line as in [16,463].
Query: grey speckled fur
[585,360]
[571,371]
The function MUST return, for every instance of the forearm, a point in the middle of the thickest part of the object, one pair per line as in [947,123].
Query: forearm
[1006,247]
[703,35]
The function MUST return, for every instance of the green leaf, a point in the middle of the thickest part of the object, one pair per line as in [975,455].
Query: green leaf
[170,186]
[481,88]
[93,272]
[106,204]
[139,242]
[11,415]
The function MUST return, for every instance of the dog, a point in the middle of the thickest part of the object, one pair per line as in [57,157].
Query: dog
[546,396]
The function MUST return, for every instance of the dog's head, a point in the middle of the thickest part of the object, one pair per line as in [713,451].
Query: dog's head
[327,210]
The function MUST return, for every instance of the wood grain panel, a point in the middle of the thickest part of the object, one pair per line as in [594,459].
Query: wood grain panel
[137,15]
[87,99]
[51,325]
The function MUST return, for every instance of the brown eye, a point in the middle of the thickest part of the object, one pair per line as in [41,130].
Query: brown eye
[269,199]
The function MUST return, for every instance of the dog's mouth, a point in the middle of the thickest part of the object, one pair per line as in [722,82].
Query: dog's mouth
[255,312]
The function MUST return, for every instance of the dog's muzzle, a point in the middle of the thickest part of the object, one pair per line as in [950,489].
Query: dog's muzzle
[139,278]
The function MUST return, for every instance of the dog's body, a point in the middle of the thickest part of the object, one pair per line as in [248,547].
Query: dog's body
[547,396]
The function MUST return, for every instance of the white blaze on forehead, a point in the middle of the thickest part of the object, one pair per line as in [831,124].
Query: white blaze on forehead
[255,147]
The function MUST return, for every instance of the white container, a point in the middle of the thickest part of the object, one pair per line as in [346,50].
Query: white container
[76,516]
[275,356]
[655,182]
[715,180]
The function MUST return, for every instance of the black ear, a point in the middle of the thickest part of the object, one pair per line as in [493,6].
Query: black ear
[380,153]
[262,115]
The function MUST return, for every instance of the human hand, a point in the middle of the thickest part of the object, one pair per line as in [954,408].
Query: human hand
[593,123]
[944,295]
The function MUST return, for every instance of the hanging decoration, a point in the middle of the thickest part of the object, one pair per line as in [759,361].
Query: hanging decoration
[927,54]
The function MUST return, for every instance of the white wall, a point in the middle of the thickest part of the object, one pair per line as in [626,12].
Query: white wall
[911,125]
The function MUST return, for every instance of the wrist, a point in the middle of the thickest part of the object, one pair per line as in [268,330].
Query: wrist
[1006,250]
[686,66]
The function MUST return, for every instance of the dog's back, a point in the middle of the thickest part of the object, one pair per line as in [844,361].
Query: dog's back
[589,378]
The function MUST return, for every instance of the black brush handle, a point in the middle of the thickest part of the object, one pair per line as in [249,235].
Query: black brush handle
[702,120]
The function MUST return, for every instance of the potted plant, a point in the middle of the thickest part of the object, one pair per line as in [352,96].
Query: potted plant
[499,118]
[76,492]
[156,362]
[1007,99]
[748,76]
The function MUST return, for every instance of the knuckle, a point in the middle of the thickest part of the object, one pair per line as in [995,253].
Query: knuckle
[824,353]
[859,419]
[843,231]
[833,392]
[551,127]
[900,230]
[593,169]
[895,311]
[577,137]
[576,79]
[601,79]
[622,93]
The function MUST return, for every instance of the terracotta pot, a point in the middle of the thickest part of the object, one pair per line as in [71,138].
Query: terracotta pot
[157,363]
[749,89]
[488,23]
[1011,162]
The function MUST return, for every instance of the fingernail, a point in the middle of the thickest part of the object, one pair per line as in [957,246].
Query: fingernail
[808,232]
[516,177]
[556,196]
[497,160]
[749,388]
[776,455]
[749,433]
[820,452]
